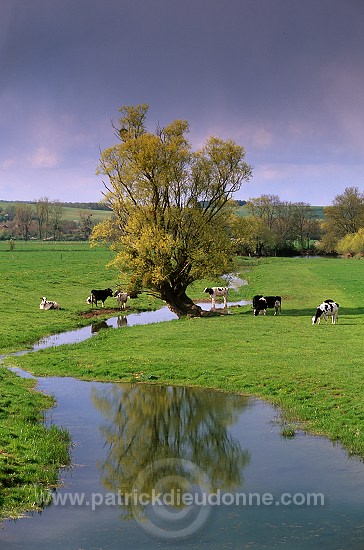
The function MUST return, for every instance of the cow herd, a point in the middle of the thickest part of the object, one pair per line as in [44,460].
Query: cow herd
[95,297]
[101,295]
[328,308]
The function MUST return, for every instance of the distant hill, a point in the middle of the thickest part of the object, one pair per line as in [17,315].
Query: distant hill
[317,210]
[101,211]
[80,205]
[71,209]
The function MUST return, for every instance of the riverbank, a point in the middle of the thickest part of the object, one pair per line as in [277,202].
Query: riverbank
[314,373]
[30,453]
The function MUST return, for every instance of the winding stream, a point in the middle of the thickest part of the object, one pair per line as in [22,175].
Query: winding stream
[145,318]
[245,486]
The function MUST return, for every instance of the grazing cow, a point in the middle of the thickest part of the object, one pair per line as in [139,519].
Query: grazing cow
[327,309]
[217,291]
[99,296]
[274,302]
[48,304]
[122,298]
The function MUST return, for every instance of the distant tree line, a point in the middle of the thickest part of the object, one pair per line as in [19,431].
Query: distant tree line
[44,219]
[274,227]
[86,205]
[343,225]
[268,225]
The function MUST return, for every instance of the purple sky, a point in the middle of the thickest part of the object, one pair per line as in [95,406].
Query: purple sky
[283,78]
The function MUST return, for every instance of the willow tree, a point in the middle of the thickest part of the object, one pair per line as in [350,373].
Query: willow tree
[170,206]
[344,217]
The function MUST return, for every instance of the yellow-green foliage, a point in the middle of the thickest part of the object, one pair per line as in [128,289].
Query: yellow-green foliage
[352,244]
[170,204]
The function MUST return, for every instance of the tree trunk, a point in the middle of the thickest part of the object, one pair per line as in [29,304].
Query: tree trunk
[179,303]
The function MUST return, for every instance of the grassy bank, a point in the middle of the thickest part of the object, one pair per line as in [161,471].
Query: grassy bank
[65,272]
[315,373]
[30,454]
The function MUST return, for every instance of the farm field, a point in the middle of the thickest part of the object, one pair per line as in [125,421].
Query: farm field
[314,373]
[73,214]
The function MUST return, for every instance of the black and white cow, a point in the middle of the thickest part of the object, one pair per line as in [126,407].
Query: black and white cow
[217,291]
[99,296]
[48,304]
[274,302]
[327,309]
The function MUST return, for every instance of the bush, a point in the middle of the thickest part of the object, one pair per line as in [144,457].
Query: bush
[352,245]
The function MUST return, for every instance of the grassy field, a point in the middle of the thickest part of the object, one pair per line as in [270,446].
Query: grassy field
[73,214]
[30,454]
[314,373]
[61,271]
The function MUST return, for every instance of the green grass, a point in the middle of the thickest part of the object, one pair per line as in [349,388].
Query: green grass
[61,271]
[314,373]
[30,453]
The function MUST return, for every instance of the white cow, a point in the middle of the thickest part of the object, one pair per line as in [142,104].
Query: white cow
[217,291]
[48,304]
[327,309]
[122,298]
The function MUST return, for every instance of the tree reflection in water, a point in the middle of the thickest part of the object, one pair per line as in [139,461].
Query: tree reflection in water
[149,424]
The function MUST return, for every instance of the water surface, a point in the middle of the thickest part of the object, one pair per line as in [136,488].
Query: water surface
[136,439]
[139,437]
[144,318]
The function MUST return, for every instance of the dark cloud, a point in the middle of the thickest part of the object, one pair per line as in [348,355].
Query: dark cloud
[282,77]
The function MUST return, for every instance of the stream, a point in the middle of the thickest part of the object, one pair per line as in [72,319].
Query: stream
[161,467]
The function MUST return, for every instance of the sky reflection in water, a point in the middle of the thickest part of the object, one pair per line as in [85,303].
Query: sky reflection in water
[140,437]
